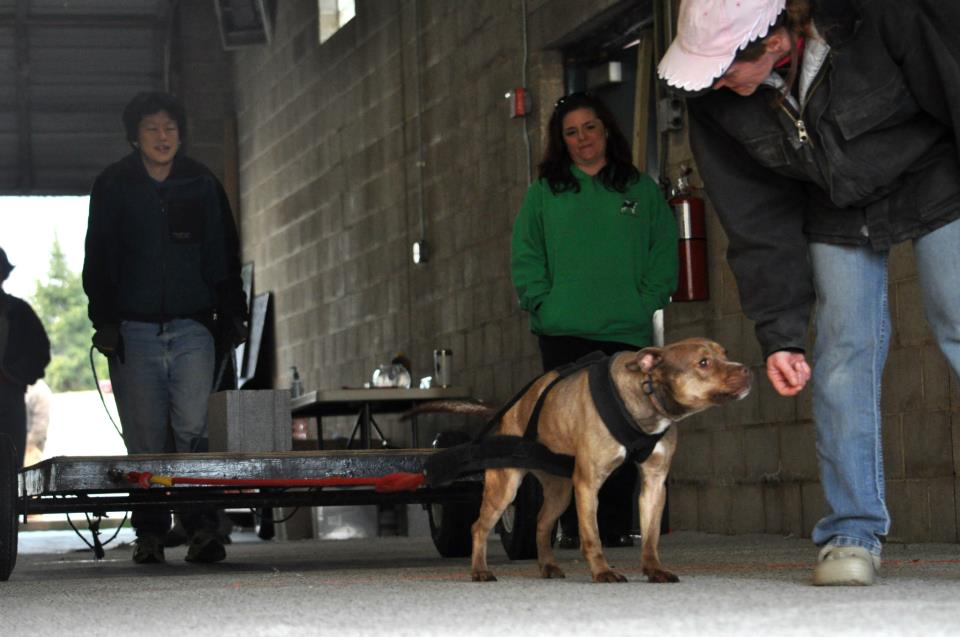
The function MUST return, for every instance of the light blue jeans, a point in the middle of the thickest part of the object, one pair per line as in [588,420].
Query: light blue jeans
[165,378]
[853,336]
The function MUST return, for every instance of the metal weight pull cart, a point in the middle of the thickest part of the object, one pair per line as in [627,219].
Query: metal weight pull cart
[99,485]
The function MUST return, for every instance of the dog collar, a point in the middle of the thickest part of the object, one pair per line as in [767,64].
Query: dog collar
[650,391]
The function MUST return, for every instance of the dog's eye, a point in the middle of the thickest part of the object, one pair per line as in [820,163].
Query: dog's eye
[704,363]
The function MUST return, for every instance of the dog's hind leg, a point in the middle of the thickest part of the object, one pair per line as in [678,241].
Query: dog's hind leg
[556,498]
[653,495]
[499,489]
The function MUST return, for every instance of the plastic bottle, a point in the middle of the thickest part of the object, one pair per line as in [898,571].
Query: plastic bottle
[296,386]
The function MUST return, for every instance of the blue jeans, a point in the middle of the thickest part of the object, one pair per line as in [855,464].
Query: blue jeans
[165,379]
[853,336]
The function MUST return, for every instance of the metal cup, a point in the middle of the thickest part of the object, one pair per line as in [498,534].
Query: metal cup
[442,362]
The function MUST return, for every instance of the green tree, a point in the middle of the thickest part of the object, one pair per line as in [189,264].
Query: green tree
[62,306]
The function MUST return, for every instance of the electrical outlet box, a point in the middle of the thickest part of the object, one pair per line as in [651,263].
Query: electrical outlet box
[669,114]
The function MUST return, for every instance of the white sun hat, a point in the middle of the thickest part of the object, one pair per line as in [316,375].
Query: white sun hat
[709,34]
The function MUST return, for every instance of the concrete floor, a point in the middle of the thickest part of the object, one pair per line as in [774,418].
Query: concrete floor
[756,585]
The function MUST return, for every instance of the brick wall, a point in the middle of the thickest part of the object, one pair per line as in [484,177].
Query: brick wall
[331,187]
[203,80]
[330,192]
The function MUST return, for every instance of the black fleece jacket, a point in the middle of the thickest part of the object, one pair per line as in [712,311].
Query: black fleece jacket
[881,166]
[24,346]
[161,250]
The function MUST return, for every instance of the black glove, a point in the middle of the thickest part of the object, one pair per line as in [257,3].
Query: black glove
[231,331]
[109,342]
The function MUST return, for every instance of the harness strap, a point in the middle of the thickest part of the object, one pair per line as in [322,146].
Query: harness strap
[495,419]
[496,452]
[615,415]
[563,371]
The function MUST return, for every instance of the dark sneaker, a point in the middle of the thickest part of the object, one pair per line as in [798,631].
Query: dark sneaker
[205,548]
[148,550]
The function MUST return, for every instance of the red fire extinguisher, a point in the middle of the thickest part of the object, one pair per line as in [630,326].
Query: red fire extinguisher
[689,210]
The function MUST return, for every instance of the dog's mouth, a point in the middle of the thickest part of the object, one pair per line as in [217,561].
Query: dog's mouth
[719,398]
[732,394]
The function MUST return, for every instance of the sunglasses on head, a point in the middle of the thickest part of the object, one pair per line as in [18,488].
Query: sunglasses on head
[572,96]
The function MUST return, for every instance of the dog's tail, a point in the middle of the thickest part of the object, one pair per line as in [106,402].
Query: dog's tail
[472,407]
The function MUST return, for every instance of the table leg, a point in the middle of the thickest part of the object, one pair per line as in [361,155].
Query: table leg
[365,426]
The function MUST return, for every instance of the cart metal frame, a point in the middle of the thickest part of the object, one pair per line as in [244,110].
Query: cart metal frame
[98,485]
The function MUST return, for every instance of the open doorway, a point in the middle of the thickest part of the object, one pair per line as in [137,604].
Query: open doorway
[44,240]
[610,60]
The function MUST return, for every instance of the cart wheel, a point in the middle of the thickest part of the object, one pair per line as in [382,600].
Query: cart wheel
[450,527]
[450,523]
[8,507]
[518,524]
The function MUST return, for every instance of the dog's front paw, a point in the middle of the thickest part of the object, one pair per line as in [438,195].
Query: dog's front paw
[605,577]
[660,576]
[483,576]
[551,571]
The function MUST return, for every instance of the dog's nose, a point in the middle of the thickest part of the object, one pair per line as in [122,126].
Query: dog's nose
[742,380]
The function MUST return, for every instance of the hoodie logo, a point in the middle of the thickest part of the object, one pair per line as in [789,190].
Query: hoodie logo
[629,207]
[185,221]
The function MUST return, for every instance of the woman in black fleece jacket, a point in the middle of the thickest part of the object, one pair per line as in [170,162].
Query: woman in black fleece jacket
[162,275]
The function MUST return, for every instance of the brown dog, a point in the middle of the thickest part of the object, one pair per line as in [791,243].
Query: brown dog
[658,387]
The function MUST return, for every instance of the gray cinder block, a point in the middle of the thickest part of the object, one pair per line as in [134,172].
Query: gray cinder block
[250,420]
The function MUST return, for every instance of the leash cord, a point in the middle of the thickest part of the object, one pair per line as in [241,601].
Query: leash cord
[96,381]
[97,545]
[258,516]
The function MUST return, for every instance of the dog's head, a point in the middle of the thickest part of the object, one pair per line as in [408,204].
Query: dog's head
[689,376]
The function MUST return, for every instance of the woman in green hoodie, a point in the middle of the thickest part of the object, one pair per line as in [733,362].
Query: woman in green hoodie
[594,255]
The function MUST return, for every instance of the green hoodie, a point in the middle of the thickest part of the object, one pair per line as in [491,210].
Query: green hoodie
[594,264]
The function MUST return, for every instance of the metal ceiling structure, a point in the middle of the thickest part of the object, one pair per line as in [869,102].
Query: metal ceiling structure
[67,68]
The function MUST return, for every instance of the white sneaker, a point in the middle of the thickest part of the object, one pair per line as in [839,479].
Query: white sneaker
[846,566]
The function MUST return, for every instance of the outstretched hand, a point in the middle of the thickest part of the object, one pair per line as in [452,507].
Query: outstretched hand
[788,372]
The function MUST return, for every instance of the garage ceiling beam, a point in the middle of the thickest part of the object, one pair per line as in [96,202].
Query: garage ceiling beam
[8,19]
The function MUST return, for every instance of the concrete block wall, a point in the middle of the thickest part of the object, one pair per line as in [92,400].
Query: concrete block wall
[330,138]
[204,82]
[331,189]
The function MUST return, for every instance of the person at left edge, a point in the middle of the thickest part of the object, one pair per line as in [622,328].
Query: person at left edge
[24,354]
[162,276]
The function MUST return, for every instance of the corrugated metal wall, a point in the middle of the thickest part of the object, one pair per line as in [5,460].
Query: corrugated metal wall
[66,70]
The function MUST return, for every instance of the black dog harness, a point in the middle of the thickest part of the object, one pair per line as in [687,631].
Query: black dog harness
[525,452]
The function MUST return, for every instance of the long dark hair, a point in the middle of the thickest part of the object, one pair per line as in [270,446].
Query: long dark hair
[619,171]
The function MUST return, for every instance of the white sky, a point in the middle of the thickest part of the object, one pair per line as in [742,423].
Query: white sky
[28,226]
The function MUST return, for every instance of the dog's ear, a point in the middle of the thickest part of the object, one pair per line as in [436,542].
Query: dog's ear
[647,359]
